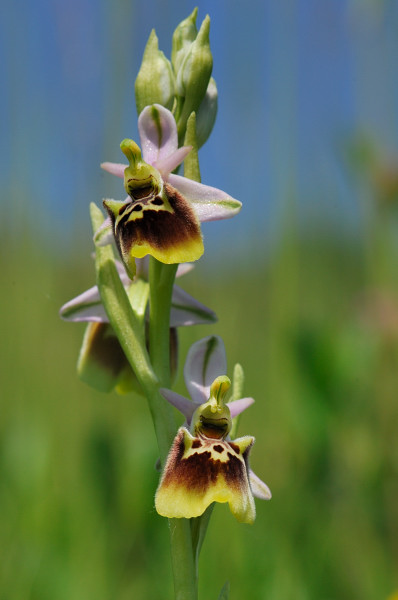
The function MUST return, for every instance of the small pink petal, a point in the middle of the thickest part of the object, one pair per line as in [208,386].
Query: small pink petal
[184,268]
[185,406]
[169,163]
[238,406]
[258,487]
[114,168]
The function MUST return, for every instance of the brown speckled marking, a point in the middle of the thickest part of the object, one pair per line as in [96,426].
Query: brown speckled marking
[196,444]
[218,448]
[123,208]
[199,471]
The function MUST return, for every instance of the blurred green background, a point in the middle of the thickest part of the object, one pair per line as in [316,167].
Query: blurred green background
[305,284]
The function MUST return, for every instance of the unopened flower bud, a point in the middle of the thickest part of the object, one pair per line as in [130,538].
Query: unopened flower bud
[206,115]
[194,75]
[183,37]
[155,79]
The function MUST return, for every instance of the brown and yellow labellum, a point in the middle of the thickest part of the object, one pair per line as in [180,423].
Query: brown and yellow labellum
[199,471]
[163,225]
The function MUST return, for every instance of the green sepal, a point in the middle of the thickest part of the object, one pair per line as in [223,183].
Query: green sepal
[155,82]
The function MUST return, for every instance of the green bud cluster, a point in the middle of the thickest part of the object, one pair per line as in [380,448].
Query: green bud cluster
[183,85]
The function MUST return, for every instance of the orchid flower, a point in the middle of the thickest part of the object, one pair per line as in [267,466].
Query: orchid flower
[204,465]
[102,363]
[163,211]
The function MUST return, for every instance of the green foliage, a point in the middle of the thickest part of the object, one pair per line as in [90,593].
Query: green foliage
[77,468]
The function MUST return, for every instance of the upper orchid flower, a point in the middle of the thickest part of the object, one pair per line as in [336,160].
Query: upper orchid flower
[204,465]
[163,212]
[102,363]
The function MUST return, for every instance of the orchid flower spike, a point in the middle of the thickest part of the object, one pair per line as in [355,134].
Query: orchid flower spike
[163,211]
[204,465]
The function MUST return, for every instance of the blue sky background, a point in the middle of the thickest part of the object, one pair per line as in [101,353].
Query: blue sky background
[296,79]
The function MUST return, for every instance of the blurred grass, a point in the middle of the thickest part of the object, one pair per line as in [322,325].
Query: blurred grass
[315,327]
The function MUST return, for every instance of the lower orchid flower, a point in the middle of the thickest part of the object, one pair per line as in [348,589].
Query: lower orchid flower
[102,363]
[163,211]
[204,465]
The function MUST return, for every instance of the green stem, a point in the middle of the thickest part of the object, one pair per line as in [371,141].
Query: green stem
[182,558]
[161,280]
